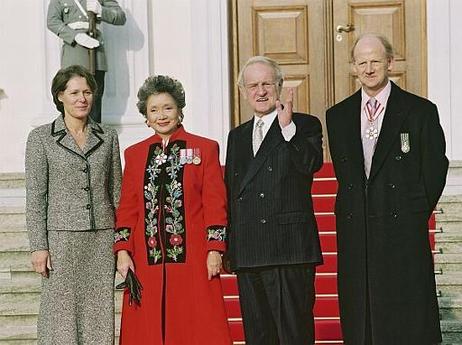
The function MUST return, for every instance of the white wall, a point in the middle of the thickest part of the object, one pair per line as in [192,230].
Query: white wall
[445,69]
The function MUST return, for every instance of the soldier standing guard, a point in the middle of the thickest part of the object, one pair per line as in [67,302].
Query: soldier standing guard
[69,19]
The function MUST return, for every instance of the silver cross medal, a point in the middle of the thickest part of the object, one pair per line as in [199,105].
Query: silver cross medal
[372,133]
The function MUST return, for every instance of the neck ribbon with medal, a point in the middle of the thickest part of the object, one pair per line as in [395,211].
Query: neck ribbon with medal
[372,114]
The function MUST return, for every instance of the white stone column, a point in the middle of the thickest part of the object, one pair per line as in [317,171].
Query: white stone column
[189,41]
[445,69]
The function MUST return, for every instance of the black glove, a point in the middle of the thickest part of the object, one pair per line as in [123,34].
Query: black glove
[134,287]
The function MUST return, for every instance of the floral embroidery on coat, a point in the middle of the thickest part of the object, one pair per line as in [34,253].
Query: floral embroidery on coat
[216,233]
[164,205]
[122,234]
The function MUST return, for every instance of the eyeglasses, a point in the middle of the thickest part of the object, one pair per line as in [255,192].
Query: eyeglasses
[266,85]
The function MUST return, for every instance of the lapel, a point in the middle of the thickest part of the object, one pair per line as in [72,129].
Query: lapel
[392,121]
[65,139]
[272,139]
[352,125]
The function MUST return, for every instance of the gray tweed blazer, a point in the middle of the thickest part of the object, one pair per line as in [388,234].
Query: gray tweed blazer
[68,188]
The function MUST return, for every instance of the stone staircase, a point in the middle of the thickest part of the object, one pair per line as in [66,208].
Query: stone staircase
[20,287]
[448,265]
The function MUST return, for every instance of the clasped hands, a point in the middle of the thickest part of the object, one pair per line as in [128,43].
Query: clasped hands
[82,38]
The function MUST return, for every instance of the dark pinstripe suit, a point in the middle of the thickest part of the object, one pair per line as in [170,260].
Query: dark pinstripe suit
[271,219]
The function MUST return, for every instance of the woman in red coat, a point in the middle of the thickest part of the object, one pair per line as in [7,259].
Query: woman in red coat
[171,227]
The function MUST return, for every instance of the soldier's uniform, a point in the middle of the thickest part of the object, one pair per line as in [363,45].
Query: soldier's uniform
[67,18]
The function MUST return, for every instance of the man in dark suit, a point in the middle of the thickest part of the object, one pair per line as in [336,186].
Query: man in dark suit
[273,239]
[388,151]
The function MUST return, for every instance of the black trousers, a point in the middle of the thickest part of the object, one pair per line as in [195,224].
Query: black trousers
[95,112]
[277,304]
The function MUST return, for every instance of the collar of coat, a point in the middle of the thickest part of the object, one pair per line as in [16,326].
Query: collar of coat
[179,133]
[396,112]
[65,139]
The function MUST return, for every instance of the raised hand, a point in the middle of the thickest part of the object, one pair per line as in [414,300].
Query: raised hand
[285,111]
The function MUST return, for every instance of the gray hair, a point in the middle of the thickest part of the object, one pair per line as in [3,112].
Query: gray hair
[157,84]
[278,75]
[385,43]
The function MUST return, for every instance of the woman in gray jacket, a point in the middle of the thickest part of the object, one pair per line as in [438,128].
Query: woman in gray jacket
[73,177]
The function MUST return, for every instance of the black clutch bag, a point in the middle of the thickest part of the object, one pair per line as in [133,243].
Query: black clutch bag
[134,287]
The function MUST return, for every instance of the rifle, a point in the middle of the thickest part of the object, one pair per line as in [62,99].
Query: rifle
[92,34]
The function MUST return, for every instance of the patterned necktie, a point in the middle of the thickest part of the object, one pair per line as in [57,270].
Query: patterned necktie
[372,107]
[369,138]
[257,136]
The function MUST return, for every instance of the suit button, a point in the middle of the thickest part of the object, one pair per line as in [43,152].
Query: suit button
[349,215]
[240,198]
[350,186]
[394,215]
[270,168]
[343,159]
[236,174]
[88,206]
[398,158]
[86,189]
[392,186]
[263,221]
[261,195]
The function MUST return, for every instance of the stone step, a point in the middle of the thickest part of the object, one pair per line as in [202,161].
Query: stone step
[449,227]
[449,284]
[27,333]
[449,243]
[19,342]
[14,241]
[12,180]
[448,262]
[452,332]
[451,308]
[27,303]
[18,333]
[16,261]
[455,168]
[451,207]
[12,219]
[10,286]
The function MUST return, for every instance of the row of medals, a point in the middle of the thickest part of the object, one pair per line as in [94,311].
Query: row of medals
[190,156]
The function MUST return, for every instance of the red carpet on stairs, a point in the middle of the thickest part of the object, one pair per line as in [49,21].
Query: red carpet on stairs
[327,320]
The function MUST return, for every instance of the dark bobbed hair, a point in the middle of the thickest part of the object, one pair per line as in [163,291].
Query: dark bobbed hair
[63,76]
[157,84]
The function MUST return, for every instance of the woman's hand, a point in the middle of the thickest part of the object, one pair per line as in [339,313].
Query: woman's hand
[124,262]
[213,263]
[41,262]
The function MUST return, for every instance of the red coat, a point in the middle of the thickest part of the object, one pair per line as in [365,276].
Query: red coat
[172,212]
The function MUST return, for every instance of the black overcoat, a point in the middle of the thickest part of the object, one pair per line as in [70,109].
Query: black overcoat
[384,252]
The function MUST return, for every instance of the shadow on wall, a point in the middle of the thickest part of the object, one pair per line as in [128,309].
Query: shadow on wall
[121,45]
[2,96]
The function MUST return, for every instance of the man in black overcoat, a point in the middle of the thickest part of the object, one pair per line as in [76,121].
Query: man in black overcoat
[388,151]
[273,239]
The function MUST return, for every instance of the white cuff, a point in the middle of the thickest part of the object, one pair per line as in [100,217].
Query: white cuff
[288,131]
